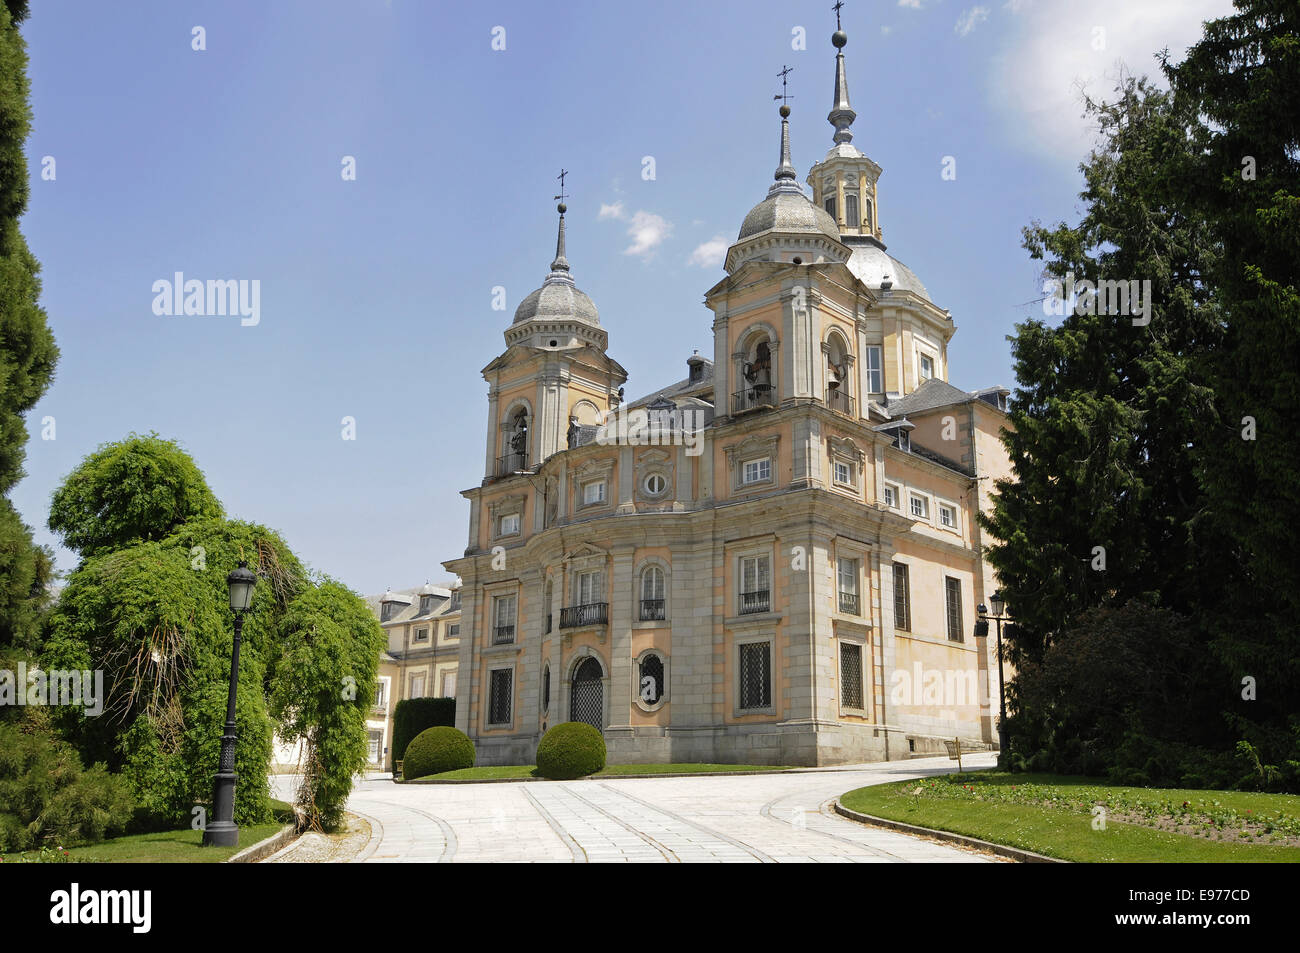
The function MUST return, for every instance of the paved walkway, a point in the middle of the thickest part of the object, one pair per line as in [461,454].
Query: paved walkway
[776,818]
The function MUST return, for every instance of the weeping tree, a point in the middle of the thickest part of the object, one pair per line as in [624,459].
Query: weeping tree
[148,605]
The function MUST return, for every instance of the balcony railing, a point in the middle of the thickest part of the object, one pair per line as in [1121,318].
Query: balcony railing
[593,613]
[652,610]
[840,402]
[502,634]
[753,397]
[849,603]
[511,463]
[760,600]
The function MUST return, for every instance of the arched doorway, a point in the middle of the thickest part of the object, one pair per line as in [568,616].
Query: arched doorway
[586,694]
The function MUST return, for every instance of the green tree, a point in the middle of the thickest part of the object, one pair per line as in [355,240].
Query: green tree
[129,491]
[149,605]
[1243,76]
[27,350]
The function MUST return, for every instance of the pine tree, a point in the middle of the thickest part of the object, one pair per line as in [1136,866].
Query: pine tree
[27,350]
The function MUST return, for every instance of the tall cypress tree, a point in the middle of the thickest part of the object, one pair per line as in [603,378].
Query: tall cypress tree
[1244,78]
[27,350]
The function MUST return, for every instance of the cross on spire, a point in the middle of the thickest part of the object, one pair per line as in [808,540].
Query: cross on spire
[563,195]
[783,95]
[836,8]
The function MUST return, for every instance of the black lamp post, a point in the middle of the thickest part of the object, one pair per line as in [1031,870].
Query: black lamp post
[222,831]
[982,632]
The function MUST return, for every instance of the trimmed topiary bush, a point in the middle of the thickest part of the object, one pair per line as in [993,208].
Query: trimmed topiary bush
[571,750]
[413,715]
[436,750]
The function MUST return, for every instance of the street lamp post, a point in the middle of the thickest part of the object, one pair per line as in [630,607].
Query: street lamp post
[982,632]
[222,831]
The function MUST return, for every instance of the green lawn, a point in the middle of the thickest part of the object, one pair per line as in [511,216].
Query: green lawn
[611,771]
[1053,815]
[170,847]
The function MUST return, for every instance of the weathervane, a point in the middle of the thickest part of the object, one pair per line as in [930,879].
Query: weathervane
[563,195]
[783,95]
[836,8]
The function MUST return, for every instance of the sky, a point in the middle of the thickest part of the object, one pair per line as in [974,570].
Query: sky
[216,139]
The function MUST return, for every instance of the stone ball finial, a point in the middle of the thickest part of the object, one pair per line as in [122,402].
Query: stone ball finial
[785,111]
[839,39]
[562,208]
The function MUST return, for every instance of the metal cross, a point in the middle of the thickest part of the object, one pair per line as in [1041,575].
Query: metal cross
[563,195]
[783,95]
[836,8]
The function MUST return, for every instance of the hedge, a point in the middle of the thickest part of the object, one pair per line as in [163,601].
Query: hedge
[572,750]
[414,715]
[436,750]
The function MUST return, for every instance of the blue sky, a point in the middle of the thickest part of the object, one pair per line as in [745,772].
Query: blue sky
[376,293]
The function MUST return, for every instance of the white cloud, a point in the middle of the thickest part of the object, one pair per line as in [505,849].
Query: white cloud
[611,211]
[709,254]
[1048,56]
[911,4]
[970,19]
[647,232]
[1016,6]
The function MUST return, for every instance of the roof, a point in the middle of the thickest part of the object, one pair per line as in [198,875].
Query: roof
[872,265]
[788,212]
[683,387]
[409,601]
[932,394]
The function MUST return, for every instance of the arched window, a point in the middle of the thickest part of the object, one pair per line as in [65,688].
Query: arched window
[651,683]
[851,211]
[839,379]
[653,604]
[516,455]
[546,688]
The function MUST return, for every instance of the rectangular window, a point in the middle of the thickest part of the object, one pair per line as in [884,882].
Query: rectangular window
[448,684]
[504,615]
[830,205]
[499,692]
[843,473]
[422,635]
[851,675]
[947,516]
[755,584]
[902,599]
[952,593]
[455,601]
[851,211]
[920,507]
[756,675]
[374,745]
[756,471]
[453,631]
[848,585]
[891,496]
[509,524]
[417,686]
[381,693]
[590,589]
[927,367]
[875,371]
[593,493]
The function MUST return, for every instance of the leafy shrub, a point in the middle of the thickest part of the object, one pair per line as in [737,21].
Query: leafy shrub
[436,750]
[570,750]
[414,715]
[47,798]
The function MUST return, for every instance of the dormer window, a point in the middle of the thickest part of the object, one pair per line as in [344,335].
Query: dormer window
[927,367]
[388,609]
[426,604]
[455,601]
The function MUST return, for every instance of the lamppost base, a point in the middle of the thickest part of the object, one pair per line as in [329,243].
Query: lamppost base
[221,834]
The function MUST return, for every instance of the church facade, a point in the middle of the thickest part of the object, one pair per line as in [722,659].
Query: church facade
[774,560]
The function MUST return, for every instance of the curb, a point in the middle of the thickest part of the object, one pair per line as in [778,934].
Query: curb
[263,848]
[1015,853]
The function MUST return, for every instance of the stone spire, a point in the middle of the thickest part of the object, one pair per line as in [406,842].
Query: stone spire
[786,169]
[561,263]
[841,114]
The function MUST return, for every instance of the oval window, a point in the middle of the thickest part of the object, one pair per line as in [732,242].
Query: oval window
[656,484]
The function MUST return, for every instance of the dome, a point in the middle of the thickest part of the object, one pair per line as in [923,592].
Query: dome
[871,265]
[788,211]
[557,299]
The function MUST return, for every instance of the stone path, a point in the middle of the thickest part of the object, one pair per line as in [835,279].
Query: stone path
[777,818]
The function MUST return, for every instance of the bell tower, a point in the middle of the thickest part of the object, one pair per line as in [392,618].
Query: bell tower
[554,376]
